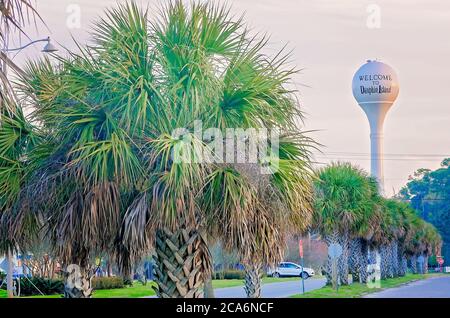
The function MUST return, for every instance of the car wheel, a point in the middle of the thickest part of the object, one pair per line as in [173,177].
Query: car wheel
[276,275]
[304,275]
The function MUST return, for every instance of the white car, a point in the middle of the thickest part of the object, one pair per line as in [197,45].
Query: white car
[286,269]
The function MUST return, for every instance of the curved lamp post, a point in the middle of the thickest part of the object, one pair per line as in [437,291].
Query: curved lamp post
[48,48]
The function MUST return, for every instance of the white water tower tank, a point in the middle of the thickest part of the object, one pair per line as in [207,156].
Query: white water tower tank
[375,88]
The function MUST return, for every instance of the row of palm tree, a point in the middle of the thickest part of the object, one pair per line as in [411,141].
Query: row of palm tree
[348,210]
[90,170]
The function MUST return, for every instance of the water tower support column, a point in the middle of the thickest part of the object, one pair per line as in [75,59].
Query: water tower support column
[376,115]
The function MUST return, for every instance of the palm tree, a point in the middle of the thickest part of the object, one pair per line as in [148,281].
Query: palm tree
[383,240]
[400,214]
[86,165]
[232,198]
[17,138]
[363,235]
[108,163]
[342,203]
[422,240]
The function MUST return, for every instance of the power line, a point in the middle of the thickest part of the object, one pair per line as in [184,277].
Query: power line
[385,154]
[368,159]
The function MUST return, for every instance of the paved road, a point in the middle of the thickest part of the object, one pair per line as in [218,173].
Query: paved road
[273,290]
[436,287]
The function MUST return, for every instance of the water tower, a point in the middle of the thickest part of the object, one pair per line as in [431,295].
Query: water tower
[375,88]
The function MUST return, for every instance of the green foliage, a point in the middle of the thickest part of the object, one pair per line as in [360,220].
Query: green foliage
[229,274]
[432,261]
[344,200]
[99,283]
[429,194]
[45,285]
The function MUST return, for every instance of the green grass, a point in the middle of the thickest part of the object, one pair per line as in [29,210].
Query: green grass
[357,290]
[224,283]
[138,290]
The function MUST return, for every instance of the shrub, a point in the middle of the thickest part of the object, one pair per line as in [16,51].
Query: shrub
[229,274]
[46,285]
[107,282]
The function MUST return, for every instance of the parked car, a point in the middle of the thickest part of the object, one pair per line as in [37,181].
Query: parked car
[288,269]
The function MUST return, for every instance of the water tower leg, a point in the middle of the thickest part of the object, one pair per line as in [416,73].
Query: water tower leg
[376,145]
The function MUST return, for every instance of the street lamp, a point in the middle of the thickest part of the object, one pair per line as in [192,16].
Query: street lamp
[48,48]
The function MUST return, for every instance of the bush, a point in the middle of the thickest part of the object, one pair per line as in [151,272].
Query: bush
[229,274]
[46,285]
[107,283]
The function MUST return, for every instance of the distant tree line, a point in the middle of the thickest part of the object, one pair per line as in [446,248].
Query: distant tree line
[428,191]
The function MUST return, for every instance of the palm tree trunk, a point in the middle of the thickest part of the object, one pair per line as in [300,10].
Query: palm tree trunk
[330,239]
[425,264]
[364,262]
[419,265]
[182,263]
[403,263]
[77,282]
[374,263]
[394,257]
[343,260]
[208,289]
[414,264]
[253,276]
[384,262]
[108,269]
[389,261]
[355,259]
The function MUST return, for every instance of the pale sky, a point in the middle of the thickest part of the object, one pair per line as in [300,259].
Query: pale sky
[330,39]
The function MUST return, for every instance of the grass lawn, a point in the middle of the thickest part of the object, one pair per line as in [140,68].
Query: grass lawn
[223,283]
[138,290]
[358,290]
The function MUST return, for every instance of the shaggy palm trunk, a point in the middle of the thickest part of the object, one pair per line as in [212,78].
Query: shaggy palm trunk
[403,266]
[253,276]
[356,258]
[182,263]
[389,261]
[374,262]
[384,261]
[330,239]
[364,262]
[402,261]
[425,264]
[343,269]
[413,260]
[394,257]
[77,282]
[419,264]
